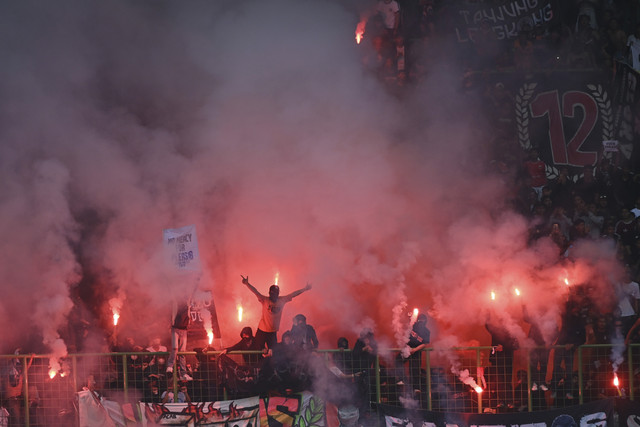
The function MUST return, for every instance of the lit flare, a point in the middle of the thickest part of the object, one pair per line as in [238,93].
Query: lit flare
[616,383]
[493,295]
[360,30]
[116,317]
[210,335]
[52,373]
[517,291]
[240,310]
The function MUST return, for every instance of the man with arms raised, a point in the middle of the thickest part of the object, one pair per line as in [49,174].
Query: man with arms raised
[272,306]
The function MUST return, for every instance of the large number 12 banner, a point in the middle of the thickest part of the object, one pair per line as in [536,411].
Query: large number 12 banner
[570,116]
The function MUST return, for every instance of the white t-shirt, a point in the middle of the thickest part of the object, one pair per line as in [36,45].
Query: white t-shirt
[388,12]
[634,52]
[628,290]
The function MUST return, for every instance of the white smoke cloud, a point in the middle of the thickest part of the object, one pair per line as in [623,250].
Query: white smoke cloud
[258,123]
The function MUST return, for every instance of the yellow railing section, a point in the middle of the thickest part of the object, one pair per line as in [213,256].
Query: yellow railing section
[462,379]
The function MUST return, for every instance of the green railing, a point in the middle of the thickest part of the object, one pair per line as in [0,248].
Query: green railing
[442,380]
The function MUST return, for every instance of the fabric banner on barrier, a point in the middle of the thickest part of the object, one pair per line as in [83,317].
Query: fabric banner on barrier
[307,409]
[240,412]
[599,413]
[181,245]
[628,413]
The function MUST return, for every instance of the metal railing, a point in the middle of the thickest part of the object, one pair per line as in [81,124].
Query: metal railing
[435,379]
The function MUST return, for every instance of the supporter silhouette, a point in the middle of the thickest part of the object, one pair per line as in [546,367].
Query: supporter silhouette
[536,171]
[539,355]
[179,341]
[365,353]
[168,396]
[503,346]
[419,338]
[12,386]
[272,306]
[247,343]
[626,230]
[628,295]
[303,336]
[571,335]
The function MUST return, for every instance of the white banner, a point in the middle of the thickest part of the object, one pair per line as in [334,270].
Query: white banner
[181,245]
[240,412]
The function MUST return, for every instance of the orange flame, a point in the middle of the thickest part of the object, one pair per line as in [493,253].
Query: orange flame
[210,335]
[616,381]
[360,30]
[240,310]
[275,281]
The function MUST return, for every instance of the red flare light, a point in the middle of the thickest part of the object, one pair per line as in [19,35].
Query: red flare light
[616,381]
[52,373]
[240,310]
[116,316]
[478,389]
[360,30]
[566,281]
[210,335]
[493,295]
[517,291]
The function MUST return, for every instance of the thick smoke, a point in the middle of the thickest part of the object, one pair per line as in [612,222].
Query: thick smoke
[258,123]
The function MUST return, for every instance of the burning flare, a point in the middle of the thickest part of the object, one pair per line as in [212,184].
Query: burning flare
[517,291]
[52,373]
[210,335]
[616,381]
[360,30]
[240,310]
[566,281]
[116,316]
[493,295]
[478,389]
[275,280]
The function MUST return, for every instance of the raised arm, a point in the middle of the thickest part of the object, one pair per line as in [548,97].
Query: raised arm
[245,280]
[299,291]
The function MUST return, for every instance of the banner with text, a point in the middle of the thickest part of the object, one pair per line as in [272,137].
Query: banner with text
[505,18]
[597,414]
[181,245]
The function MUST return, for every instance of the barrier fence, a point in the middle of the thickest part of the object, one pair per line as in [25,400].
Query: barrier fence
[444,380]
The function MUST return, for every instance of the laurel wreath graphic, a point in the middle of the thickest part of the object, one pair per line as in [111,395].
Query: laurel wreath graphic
[522,114]
[606,112]
[522,118]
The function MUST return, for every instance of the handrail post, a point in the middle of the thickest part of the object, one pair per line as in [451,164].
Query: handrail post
[25,390]
[427,361]
[378,393]
[580,379]
[529,397]
[478,362]
[630,359]
[124,378]
[175,379]
[74,365]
